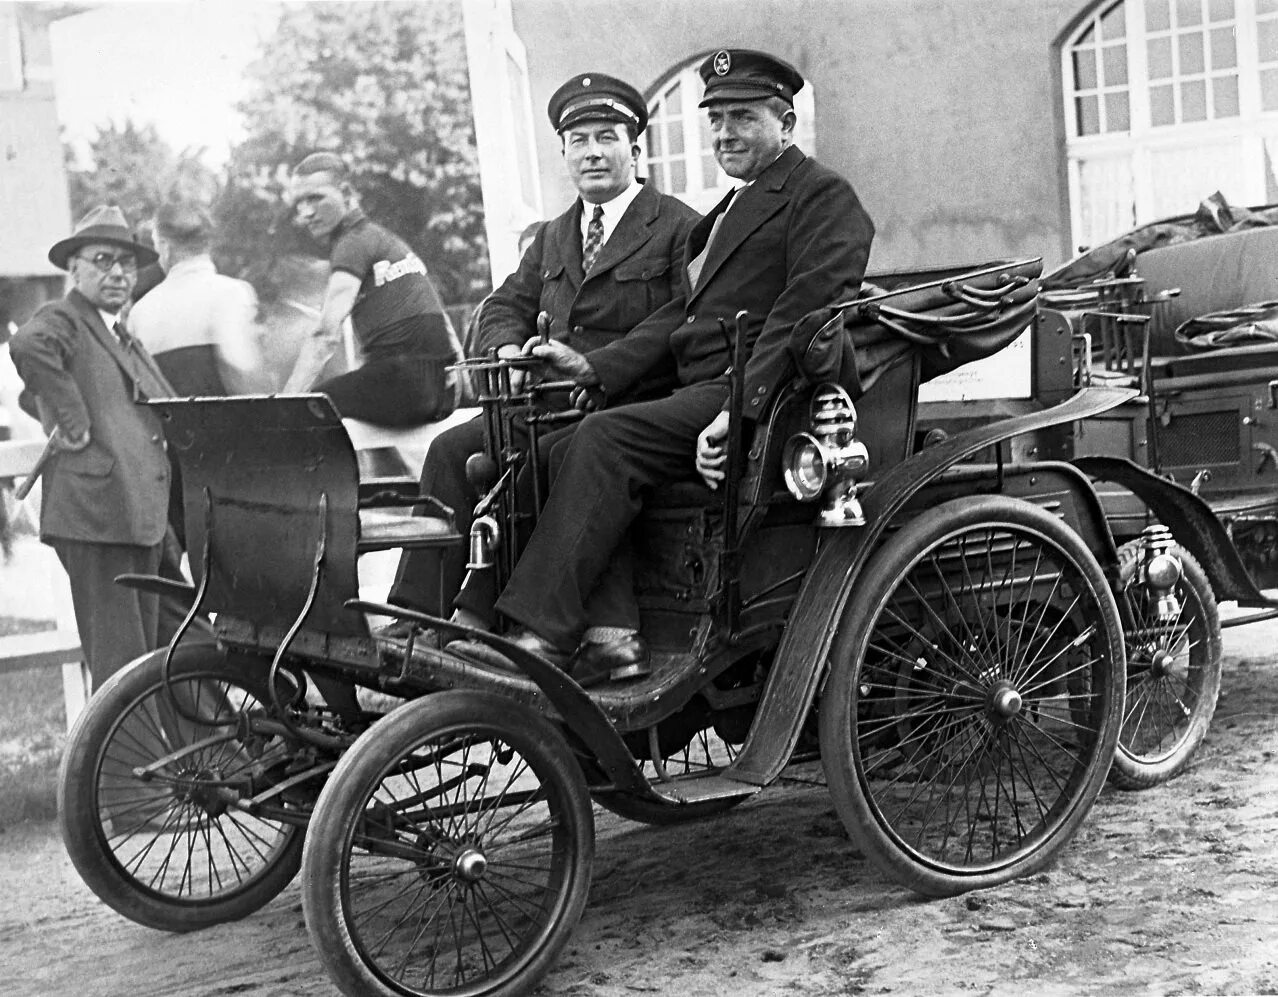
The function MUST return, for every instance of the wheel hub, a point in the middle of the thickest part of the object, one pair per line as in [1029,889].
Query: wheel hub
[470,865]
[1005,702]
[1160,664]
[199,787]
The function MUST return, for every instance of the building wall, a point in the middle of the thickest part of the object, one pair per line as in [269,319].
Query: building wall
[945,114]
[34,206]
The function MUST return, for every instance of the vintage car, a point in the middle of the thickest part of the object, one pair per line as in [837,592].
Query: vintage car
[943,634]
[1182,310]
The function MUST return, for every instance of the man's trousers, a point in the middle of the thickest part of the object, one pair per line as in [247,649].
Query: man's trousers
[597,492]
[428,580]
[116,624]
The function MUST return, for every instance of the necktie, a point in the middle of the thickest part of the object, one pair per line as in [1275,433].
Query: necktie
[594,239]
[694,268]
[122,335]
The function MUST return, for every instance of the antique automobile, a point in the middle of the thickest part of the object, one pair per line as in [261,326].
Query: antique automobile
[1182,310]
[942,635]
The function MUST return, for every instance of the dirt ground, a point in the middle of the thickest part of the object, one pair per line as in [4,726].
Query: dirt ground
[1170,891]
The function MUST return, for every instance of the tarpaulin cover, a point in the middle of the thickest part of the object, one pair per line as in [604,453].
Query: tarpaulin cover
[1117,257]
[950,317]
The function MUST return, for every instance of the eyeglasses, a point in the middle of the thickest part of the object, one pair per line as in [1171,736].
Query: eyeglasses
[105,262]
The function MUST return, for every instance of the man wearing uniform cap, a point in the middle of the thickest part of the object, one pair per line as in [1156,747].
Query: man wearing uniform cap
[106,492]
[596,271]
[792,238]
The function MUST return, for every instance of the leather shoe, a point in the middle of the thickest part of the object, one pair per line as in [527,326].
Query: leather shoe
[614,660]
[536,644]
[526,639]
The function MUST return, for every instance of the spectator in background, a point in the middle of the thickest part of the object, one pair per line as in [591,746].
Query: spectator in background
[378,282]
[105,494]
[200,325]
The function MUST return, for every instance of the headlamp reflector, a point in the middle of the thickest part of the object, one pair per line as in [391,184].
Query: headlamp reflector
[804,467]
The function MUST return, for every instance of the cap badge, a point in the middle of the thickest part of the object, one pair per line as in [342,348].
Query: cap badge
[722,63]
[585,81]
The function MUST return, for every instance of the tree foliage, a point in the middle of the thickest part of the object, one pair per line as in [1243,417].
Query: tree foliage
[132,167]
[384,85]
[123,169]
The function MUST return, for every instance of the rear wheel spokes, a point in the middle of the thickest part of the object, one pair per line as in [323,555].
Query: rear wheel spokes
[167,788]
[1174,654]
[982,654]
[1162,694]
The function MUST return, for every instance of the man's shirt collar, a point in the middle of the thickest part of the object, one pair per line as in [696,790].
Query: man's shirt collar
[192,265]
[613,210]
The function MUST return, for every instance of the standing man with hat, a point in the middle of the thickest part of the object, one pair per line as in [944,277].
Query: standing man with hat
[792,238]
[596,272]
[106,492]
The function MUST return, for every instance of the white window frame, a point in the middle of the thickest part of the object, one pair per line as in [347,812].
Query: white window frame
[500,90]
[703,191]
[12,73]
[1134,153]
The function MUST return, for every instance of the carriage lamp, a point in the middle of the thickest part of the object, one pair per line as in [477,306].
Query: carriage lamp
[1162,570]
[829,460]
[484,536]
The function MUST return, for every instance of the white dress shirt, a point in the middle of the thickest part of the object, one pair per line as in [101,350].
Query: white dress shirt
[612,211]
[197,306]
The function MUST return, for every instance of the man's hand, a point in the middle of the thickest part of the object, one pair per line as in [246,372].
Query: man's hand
[711,453]
[61,441]
[563,360]
[585,399]
[517,375]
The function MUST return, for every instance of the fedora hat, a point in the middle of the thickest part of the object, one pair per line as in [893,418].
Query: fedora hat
[103,224]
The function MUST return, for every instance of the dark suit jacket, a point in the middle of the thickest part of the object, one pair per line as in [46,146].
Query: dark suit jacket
[637,272]
[115,490]
[795,240]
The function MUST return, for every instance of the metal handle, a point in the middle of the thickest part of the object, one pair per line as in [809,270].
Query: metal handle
[47,454]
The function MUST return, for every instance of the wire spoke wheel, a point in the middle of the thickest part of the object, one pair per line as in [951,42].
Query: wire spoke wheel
[974,697]
[450,852]
[149,789]
[1173,670]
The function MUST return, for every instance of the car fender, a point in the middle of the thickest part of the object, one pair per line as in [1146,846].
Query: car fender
[799,664]
[1191,522]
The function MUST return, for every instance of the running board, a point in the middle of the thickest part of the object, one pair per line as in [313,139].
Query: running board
[699,788]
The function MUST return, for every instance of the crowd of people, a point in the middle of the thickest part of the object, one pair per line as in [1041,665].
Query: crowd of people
[622,294]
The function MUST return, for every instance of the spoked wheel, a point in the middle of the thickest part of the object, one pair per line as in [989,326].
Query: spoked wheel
[1173,671]
[684,746]
[450,852]
[974,697]
[146,795]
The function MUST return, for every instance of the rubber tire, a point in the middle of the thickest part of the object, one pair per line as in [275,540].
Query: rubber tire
[357,776]
[78,809]
[873,590]
[1130,770]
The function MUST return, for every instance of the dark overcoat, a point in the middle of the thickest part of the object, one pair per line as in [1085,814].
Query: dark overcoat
[795,239]
[637,272]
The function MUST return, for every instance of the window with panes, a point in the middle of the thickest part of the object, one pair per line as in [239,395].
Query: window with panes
[1167,101]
